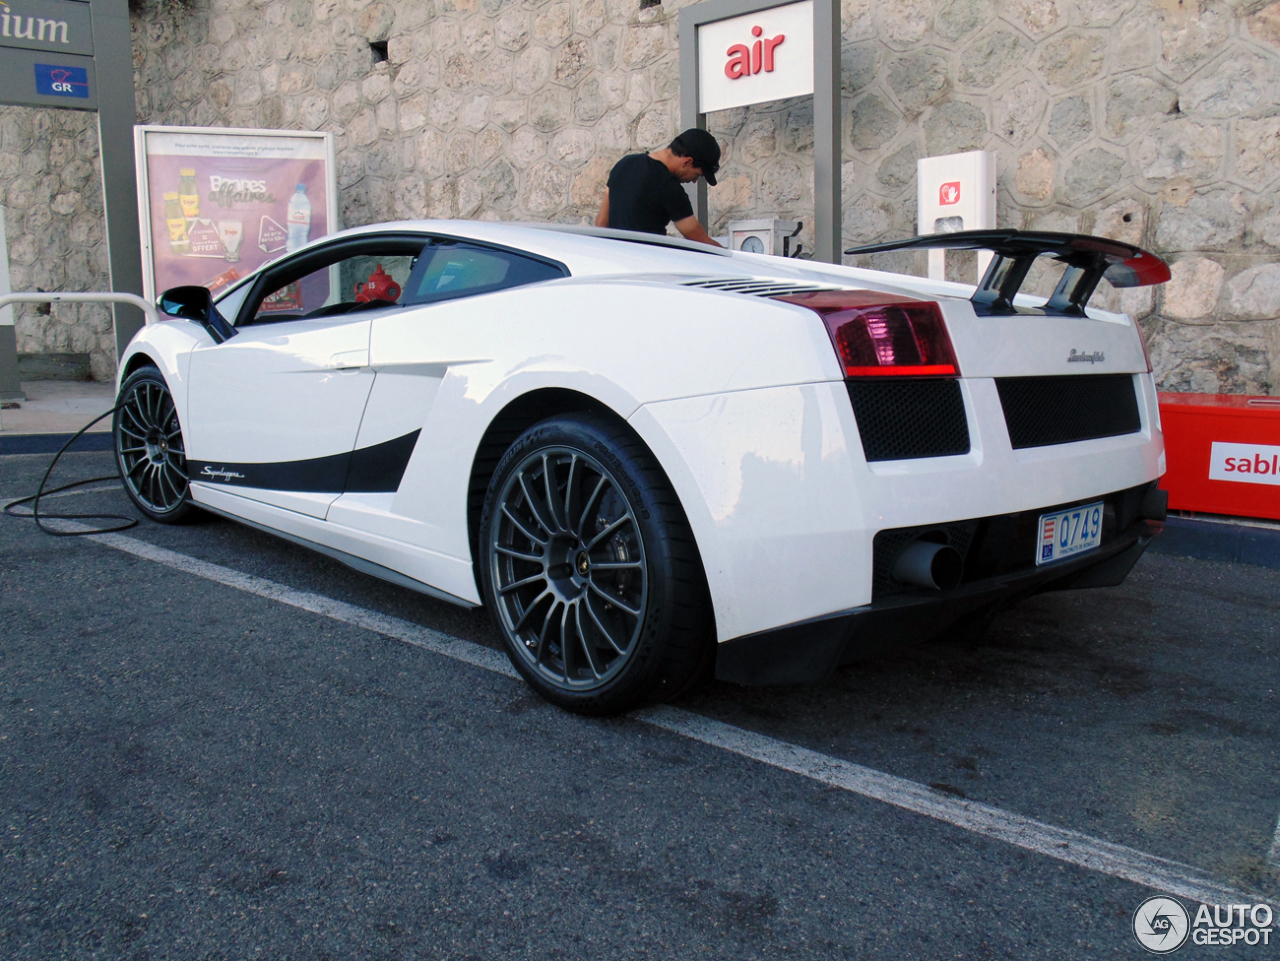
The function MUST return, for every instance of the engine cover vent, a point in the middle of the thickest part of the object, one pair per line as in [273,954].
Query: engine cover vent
[756,288]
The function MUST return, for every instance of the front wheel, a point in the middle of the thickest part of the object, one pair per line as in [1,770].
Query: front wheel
[590,570]
[149,448]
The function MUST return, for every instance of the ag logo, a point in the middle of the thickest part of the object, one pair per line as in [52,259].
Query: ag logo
[1161,925]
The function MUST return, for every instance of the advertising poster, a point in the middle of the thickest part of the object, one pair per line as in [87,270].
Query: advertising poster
[216,204]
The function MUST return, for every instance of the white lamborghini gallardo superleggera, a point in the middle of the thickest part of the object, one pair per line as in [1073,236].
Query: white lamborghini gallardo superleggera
[652,459]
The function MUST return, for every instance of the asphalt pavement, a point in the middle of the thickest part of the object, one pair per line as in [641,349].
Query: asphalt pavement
[194,766]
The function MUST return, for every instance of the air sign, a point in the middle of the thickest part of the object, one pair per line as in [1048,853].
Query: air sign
[757,57]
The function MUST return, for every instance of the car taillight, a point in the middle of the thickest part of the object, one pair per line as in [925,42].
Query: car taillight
[892,337]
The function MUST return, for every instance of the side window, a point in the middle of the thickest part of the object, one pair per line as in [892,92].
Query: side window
[326,283]
[449,269]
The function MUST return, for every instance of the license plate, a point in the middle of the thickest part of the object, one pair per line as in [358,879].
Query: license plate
[1067,533]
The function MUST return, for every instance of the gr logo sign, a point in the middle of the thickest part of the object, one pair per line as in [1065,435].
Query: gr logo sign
[53,80]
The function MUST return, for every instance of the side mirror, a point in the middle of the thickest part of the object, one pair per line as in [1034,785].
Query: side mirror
[196,303]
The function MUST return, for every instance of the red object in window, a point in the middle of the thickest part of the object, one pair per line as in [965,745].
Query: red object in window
[1223,453]
[379,286]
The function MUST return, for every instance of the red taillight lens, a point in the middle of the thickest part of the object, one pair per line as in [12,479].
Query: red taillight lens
[895,337]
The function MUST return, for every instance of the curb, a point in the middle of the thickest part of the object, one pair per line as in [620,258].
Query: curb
[52,443]
[1216,541]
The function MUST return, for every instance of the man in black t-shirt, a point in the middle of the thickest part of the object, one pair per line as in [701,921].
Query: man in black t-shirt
[644,191]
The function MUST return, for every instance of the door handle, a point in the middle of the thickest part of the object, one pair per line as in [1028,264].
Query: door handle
[349,359]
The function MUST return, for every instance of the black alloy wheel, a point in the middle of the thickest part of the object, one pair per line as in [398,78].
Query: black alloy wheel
[590,570]
[149,448]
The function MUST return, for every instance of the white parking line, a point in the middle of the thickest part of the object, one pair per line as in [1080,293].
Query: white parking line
[1115,860]
[401,630]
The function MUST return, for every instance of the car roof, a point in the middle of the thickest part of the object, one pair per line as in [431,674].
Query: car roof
[584,250]
[598,251]
[602,252]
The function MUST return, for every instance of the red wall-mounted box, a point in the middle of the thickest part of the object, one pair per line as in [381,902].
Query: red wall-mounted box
[1223,454]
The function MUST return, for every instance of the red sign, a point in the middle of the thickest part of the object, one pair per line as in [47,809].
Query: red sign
[1222,454]
[949,193]
[744,60]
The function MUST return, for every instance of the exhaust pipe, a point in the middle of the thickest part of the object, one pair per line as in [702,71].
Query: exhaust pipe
[926,564]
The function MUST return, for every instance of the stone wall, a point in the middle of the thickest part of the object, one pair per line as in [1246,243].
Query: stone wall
[1153,121]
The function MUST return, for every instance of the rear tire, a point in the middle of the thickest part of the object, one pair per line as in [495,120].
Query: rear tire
[590,571]
[150,451]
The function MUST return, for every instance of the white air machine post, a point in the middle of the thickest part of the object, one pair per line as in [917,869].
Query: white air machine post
[764,236]
[956,192]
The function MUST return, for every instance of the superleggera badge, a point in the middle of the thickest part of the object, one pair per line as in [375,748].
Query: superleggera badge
[220,474]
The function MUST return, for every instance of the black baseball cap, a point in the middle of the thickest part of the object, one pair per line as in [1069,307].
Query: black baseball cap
[704,150]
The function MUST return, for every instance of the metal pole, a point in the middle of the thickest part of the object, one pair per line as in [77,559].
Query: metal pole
[117,113]
[689,115]
[147,310]
[10,385]
[827,134]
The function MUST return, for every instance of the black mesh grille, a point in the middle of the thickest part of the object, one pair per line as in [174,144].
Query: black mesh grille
[1040,411]
[909,418]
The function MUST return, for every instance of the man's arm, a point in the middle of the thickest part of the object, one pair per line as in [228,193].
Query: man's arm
[691,229]
[602,216]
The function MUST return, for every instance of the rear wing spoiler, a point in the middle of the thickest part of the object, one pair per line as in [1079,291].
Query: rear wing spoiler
[1088,260]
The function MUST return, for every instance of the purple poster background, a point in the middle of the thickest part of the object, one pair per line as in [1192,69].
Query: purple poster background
[253,192]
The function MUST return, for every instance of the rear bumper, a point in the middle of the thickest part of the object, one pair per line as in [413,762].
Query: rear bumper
[789,515]
[808,651]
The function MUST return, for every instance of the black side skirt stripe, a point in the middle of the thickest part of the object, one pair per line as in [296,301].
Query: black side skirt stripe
[378,469]
[369,470]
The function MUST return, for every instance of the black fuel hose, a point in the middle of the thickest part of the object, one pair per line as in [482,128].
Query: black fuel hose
[34,499]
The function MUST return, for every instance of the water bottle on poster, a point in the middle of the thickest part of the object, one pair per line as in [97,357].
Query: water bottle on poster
[299,220]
